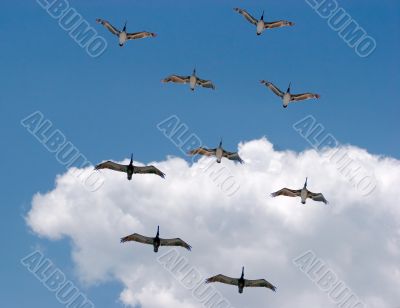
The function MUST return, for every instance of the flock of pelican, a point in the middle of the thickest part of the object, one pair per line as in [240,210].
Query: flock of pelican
[219,152]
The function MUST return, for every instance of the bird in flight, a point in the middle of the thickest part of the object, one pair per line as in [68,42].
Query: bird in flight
[287,97]
[129,169]
[241,283]
[260,24]
[192,80]
[303,193]
[218,152]
[155,241]
[124,36]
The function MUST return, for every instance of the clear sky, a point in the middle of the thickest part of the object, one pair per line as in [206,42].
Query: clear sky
[109,106]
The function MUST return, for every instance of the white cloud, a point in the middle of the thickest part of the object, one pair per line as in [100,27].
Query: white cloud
[357,236]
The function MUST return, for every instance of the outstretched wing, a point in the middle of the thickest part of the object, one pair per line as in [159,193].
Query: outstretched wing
[140,35]
[202,151]
[272,87]
[137,238]
[113,166]
[278,24]
[108,26]
[175,242]
[287,192]
[303,96]
[149,169]
[177,79]
[223,279]
[246,15]
[205,83]
[232,156]
[317,197]
[259,283]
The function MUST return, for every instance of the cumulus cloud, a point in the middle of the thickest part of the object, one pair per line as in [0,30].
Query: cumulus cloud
[356,235]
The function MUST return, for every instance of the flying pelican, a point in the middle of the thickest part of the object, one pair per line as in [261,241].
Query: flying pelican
[124,36]
[288,97]
[241,282]
[193,80]
[218,152]
[129,169]
[155,241]
[261,24]
[303,193]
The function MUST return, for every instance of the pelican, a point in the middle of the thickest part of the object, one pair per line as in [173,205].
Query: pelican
[124,36]
[155,241]
[241,282]
[260,24]
[303,193]
[287,97]
[219,152]
[129,169]
[193,80]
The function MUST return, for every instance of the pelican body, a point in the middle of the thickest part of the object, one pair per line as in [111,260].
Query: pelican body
[156,241]
[260,24]
[241,283]
[129,169]
[303,193]
[192,80]
[218,152]
[288,97]
[123,35]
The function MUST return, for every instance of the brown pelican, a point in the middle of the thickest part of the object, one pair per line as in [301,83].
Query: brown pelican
[193,80]
[241,282]
[124,36]
[303,193]
[219,152]
[129,169]
[288,97]
[260,24]
[155,241]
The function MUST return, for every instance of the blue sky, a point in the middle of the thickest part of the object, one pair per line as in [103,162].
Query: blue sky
[110,106]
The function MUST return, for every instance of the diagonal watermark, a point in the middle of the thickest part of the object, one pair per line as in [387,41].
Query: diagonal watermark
[352,170]
[327,280]
[76,26]
[64,150]
[355,36]
[54,280]
[191,279]
[179,134]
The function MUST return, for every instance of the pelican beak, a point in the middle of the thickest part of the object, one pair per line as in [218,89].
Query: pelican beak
[262,15]
[124,29]
[131,158]
[305,184]
[288,89]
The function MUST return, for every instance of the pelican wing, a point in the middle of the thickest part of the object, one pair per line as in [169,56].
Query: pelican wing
[232,156]
[149,169]
[202,151]
[175,242]
[113,166]
[137,238]
[259,283]
[303,96]
[287,192]
[223,279]
[246,15]
[140,35]
[273,88]
[205,83]
[177,79]
[278,24]
[108,26]
[317,197]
